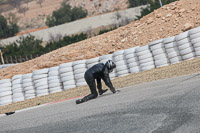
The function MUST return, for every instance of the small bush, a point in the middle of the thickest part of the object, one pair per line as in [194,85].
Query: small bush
[7,30]
[65,14]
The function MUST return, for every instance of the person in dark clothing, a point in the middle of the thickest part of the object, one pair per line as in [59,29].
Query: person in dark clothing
[98,72]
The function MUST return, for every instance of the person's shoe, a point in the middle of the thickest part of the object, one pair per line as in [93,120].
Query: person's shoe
[9,113]
[103,91]
[114,91]
[79,101]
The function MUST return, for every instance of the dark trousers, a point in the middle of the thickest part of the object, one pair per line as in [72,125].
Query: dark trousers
[92,85]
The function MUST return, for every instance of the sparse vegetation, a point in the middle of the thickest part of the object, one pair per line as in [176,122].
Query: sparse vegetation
[7,29]
[153,5]
[65,14]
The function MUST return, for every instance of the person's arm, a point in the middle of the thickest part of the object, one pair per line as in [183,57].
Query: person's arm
[107,81]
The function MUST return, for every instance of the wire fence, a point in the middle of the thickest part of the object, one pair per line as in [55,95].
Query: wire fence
[17,59]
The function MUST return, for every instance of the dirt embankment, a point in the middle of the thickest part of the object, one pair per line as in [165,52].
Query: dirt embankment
[167,21]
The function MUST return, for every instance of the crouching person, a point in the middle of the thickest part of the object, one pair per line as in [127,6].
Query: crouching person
[98,72]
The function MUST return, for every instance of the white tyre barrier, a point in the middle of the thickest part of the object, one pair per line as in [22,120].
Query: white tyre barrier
[145,56]
[40,79]
[184,46]
[41,71]
[181,36]
[122,73]
[17,88]
[156,42]
[91,62]
[41,83]
[118,58]
[158,51]
[56,68]
[147,64]
[28,86]
[52,85]
[70,82]
[147,68]
[6,93]
[130,50]
[135,59]
[129,56]
[196,35]
[41,76]
[133,64]
[173,54]
[79,76]
[121,68]
[197,49]
[134,69]
[183,41]
[65,70]
[176,59]
[81,70]
[160,56]
[157,46]
[69,87]
[5,85]
[91,65]
[143,52]
[67,74]
[67,78]
[16,77]
[81,64]
[5,81]
[169,40]
[196,40]
[121,52]
[53,73]
[142,48]
[120,63]
[169,50]
[81,84]
[145,60]
[170,45]
[162,62]
[31,89]
[65,65]
[103,57]
[194,31]
[196,45]
[188,56]
[186,51]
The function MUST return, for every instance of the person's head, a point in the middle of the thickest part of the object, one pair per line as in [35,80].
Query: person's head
[110,65]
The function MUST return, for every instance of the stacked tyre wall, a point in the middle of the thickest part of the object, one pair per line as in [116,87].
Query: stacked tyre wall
[159,53]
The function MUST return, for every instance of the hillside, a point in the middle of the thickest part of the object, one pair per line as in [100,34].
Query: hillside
[36,15]
[167,21]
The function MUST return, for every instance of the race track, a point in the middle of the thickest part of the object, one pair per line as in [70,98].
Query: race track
[164,106]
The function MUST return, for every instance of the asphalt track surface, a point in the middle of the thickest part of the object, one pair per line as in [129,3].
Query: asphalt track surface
[163,106]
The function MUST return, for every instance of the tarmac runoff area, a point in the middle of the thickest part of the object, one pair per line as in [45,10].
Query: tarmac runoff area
[162,106]
[179,69]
